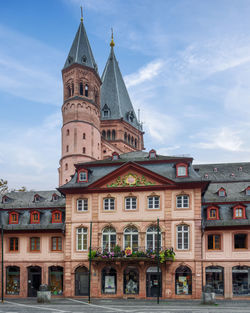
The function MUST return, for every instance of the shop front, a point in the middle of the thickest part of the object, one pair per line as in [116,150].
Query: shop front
[183,281]
[56,280]
[12,280]
[153,282]
[215,279]
[241,280]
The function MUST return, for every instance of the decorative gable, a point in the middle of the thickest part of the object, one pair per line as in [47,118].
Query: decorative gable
[131,179]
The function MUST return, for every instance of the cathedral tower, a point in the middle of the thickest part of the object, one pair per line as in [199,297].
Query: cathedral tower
[81,139]
[121,131]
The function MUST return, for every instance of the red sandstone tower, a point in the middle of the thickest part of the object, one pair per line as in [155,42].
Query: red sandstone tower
[97,121]
[81,139]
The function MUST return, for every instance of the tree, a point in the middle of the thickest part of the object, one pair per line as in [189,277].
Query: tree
[3,186]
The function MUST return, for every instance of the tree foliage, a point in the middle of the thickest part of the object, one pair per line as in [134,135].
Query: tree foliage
[3,186]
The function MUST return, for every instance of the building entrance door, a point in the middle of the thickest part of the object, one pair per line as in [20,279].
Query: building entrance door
[81,281]
[152,282]
[34,280]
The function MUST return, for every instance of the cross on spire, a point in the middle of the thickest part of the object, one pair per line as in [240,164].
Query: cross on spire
[112,39]
[81,14]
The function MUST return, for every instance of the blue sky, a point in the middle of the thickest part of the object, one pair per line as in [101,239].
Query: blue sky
[186,64]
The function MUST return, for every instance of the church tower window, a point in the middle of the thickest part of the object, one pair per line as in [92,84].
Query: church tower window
[83,136]
[83,150]
[113,134]
[104,134]
[81,89]
[86,90]
[108,134]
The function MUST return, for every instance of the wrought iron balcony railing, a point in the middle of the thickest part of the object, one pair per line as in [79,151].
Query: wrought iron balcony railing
[135,254]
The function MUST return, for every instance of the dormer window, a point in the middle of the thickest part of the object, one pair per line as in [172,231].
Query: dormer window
[57,217]
[181,170]
[239,212]
[83,176]
[5,199]
[222,192]
[35,217]
[115,156]
[13,218]
[152,154]
[55,197]
[37,198]
[106,111]
[247,190]
[212,213]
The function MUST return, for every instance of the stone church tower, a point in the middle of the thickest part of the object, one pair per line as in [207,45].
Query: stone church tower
[97,121]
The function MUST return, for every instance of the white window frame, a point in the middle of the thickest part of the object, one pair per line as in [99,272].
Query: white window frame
[129,205]
[237,211]
[181,231]
[109,204]
[108,231]
[180,201]
[82,205]
[83,178]
[82,235]
[155,199]
[131,231]
[152,230]
[181,171]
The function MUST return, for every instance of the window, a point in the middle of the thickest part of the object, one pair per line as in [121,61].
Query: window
[108,135]
[152,238]
[82,205]
[108,239]
[104,134]
[109,278]
[83,150]
[215,279]
[154,202]
[241,280]
[12,280]
[125,137]
[13,218]
[56,217]
[182,201]
[35,217]
[239,212]
[67,148]
[81,89]
[56,280]
[83,136]
[152,154]
[66,166]
[181,170]
[35,244]
[13,244]
[136,143]
[183,281]
[5,199]
[37,198]
[212,213]
[247,191]
[86,90]
[115,156]
[240,241]
[83,176]
[221,192]
[82,239]
[113,134]
[213,242]
[131,281]
[106,113]
[109,204]
[183,237]
[131,238]
[130,203]
[67,132]
[55,197]
[56,243]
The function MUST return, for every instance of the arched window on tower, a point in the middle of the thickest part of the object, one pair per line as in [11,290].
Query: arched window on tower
[104,134]
[129,139]
[67,132]
[83,136]
[132,141]
[113,134]
[81,89]
[125,137]
[72,88]
[69,92]
[67,148]
[108,134]
[86,90]
[83,150]
[136,143]
[66,166]
[96,97]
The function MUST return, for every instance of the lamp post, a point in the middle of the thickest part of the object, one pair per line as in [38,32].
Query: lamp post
[90,242]
[2,259]
[158,260]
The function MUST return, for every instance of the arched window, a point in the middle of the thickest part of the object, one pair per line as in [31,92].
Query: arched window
[83,150]
[66,166]
[241,280]
[109,280]
[86,90]
[104,134]
[132,140]
[108,239]
[69,91]
[113,134]
[131,281]
[82,239]
[81,89]
[67,132]
[182,237]
[81,281]
[131,238]
[72,88]
[12,280]
[13,218]
[56,280]
[136,143]
[35,217]
[125,137]
[57,217]
[183,281]
[108,134]
[67,148]
[215,279]
[152,238]
[129,139]
[96,97]
[83,136]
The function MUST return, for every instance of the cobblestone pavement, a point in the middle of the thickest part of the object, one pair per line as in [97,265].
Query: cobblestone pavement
[66,305]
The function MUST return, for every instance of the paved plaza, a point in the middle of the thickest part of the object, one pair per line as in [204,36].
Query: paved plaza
[126,306]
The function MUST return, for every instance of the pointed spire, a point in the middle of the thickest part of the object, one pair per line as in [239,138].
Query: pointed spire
[114,95]
[112,44]
[80,51]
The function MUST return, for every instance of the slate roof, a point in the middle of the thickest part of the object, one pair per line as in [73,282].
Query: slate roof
[80,52]
[166,170]
[114,94]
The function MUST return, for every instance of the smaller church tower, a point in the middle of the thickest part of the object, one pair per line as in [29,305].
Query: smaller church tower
[81,139]
[121,131]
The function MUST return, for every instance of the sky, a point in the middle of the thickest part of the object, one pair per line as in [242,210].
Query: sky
[186,64]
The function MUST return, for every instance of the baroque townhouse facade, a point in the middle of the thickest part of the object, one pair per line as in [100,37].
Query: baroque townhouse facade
[109,185]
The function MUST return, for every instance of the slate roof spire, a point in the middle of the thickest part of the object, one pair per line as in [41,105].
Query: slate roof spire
[114,95]
[80,52]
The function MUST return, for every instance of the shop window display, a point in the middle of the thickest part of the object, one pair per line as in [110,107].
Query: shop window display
[12,280]
[109,280]
[183,281]
[131,281]
[56,280]
[215,279]
[241,277]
